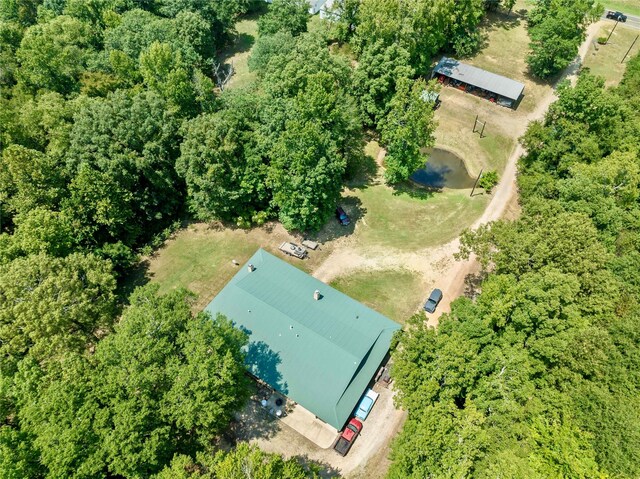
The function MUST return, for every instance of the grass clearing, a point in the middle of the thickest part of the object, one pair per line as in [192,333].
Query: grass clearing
[199,257]
[497,148]
[604,60]
[412,218]
[505,52]
[395,293]
[372,149]
[200,260]
[238,53]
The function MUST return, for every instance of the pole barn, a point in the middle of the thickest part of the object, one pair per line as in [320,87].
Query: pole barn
[496,88]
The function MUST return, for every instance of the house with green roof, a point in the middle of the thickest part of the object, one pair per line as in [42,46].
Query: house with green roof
[308,341]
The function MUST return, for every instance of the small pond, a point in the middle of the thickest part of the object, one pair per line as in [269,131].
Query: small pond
[443,169]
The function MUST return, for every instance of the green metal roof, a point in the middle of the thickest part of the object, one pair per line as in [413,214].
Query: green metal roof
[321,354]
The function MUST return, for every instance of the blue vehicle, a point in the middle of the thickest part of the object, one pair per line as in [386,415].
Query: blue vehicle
[434,299]
[366,403]
[342,216]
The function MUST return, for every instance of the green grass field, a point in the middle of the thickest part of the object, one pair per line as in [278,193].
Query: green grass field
[394,293]
[606,60]
[412,218]
[200,261]
[238,53]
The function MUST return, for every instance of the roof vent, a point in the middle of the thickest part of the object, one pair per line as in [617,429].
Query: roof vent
[317,295]
[251,268]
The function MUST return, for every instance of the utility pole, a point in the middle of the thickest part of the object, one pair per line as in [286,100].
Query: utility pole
[625,55]
[476,183]
[614,27]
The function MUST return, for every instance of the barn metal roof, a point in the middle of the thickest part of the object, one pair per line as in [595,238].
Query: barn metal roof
[320,353]
[480,78]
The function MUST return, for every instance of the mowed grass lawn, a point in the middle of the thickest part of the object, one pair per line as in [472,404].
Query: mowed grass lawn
[412,219]
[238,53]
[606,60]
[395,293]
[200,260]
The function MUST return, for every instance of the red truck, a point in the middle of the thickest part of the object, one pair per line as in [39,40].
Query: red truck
[348,437]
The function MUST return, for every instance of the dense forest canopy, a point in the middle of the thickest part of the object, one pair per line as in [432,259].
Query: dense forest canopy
[538,377]
[114,126]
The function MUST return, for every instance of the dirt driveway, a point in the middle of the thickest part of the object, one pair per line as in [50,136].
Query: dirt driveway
[368,457]
[272,435]
[437,265]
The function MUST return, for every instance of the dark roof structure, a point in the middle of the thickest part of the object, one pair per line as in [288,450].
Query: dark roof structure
[479,78]
[308,341]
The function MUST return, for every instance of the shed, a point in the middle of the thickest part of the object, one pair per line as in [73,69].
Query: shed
[501,87]
[321,353]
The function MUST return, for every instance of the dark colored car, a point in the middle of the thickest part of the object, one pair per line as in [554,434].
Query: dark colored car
[432,303]
[619,16]
[342,216]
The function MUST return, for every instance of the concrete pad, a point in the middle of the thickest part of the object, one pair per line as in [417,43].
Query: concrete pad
[308,425]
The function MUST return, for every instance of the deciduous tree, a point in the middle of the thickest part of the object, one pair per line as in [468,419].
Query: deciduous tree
[406,130]
[285,15]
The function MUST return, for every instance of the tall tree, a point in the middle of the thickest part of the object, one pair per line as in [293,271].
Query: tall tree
[125,189]
[407,129]
[379,70]
[23,12]
[285,16]
[220,163]
[52,305]
[163,71]
[305,175]
[169,382]
[52,55]
[28,179]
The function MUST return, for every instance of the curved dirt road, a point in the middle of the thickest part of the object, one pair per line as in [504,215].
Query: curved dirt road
[506,190]
[437,265]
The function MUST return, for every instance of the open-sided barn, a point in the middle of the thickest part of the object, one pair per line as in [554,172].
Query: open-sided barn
[496,88]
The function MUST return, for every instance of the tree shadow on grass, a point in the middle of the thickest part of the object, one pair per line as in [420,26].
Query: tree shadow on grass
[253,422]
[243,43]
[134,278]
[500,20]
[494,20]
[333,229]
[362,172]
[322,469]
[411,190]
[473,284]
